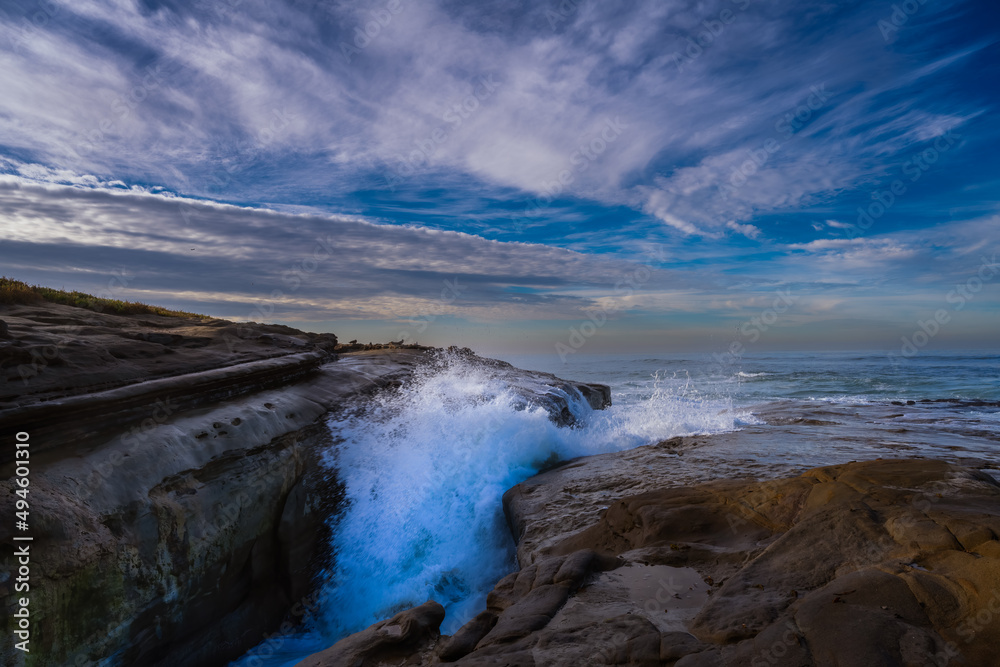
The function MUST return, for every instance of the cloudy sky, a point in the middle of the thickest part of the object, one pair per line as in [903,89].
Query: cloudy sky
[500,173]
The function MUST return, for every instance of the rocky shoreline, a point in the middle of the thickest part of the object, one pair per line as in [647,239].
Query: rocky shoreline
[179,515]
[884,562]
[178,508]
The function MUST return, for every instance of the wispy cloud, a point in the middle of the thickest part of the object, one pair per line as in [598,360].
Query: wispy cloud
[259,101]
[227,257]
[727,143]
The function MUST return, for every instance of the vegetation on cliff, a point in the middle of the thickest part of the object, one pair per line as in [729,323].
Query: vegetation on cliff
[19,292]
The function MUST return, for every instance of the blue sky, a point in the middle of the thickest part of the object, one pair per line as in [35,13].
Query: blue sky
[503,174]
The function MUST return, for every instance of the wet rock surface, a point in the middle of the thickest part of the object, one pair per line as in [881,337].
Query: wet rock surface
[386,642]
[178,504]
[188,535]
[883,562]
[543,389]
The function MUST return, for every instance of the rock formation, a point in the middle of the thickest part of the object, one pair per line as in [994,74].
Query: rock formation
[55,351]
[386,642]
[885,562]
[177,505]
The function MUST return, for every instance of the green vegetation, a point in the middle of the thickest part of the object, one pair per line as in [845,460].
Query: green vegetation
[14,291]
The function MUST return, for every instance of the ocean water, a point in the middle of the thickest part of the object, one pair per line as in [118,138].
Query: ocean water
[754,379]
[424,467]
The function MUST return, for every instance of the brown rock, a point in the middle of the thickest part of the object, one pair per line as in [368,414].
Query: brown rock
[621,640]
[867,617]
[863,563]
[867,563]
[530,613]
[389,640]
[464,641]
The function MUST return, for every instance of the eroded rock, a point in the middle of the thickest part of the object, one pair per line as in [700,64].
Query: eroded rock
[885,562]
[385,642]
[177,501]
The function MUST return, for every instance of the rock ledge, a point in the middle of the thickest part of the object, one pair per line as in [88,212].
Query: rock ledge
[887,562]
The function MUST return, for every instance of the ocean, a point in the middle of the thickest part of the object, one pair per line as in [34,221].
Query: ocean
[424,467]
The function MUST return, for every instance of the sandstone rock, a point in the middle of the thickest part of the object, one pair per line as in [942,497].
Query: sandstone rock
[194,534]
[868,563]
[177,506]
[91,419]
[79,351]
[383,642]
[468,636]
[878,613]
[532,612]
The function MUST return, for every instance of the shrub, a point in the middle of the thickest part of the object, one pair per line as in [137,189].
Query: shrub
[18,292]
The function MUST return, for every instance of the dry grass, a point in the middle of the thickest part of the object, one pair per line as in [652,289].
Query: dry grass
[17,292]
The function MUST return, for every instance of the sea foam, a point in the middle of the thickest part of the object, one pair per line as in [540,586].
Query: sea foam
[424,467]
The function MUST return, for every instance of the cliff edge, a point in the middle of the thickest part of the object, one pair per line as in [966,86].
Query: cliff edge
[178,507]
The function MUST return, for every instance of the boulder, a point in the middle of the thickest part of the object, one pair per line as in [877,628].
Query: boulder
[384,642]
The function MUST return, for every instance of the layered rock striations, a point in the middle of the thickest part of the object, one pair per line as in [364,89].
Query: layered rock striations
[188,534]
[51,351]
[178,508]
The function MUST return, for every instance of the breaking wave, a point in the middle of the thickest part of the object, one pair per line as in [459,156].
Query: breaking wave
[424,467]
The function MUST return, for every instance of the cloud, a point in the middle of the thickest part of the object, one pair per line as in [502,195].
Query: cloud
[908,260]
[536,155]
[279,102]
[346,272]
[836,224]
[749,231]
[317,267]
[659,205]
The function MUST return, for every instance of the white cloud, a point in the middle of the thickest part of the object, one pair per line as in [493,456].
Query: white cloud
[265,85]
[748,231]
[323,266]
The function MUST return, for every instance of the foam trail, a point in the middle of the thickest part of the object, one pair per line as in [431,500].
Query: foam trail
[424,468]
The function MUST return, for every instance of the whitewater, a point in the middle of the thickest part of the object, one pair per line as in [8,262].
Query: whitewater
[423,466]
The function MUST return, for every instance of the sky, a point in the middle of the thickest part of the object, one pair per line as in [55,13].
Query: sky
[564,177]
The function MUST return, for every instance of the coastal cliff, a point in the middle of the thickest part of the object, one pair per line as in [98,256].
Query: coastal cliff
[178,504]
[181,507]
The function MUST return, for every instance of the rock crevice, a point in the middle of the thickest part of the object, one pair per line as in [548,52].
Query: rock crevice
[178,520]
